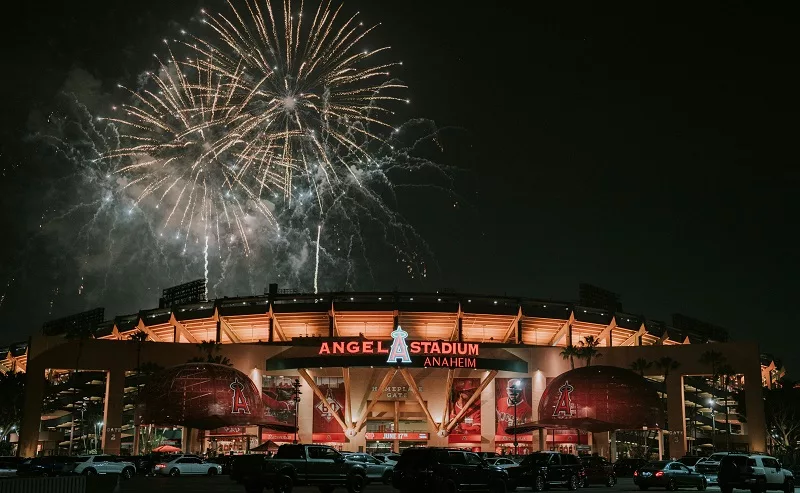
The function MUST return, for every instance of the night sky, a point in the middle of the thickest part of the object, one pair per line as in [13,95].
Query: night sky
[646,149]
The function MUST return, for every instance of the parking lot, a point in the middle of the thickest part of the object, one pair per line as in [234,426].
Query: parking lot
[222,484]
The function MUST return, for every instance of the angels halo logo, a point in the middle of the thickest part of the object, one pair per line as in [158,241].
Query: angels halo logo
[399,352]
[565,408]
[239,405]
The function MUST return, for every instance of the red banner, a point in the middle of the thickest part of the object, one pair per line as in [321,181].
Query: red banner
[328,438]
[510,438]
[278,396]
[277,437]
[470,422]
[464,438]
[396,436]
[333,390]
[513,396]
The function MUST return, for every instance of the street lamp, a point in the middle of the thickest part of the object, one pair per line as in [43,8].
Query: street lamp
[713,426]
[296,392]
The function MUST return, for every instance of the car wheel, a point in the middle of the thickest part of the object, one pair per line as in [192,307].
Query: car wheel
[703,485]
[355,484]
[89,472]
[788,486]
[671,486]
[497,486]
[387,478]
[212,471]
[174,472]
[538,484]
[573,483]
[611,480]
[127,473]
[283,484]
[585,483]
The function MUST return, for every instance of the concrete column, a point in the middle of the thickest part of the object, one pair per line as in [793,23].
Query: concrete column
[612,446]
[676,410]
[660,444]
[186,438]
[753,396]
[137,435]
[112,414]
[542,439]
[29,425]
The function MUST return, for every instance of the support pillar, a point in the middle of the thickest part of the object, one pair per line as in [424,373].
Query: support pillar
[612,446]
[29,424]
[542,439]
[186,438]
[137,436]
[676,411]
[661,437]
[753,396]
[112,414]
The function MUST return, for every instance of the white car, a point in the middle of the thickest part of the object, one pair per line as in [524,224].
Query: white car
[89,465]
[188,465]
[389,459]
[501,462]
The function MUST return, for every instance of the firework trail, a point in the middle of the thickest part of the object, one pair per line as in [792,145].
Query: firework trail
[316,262]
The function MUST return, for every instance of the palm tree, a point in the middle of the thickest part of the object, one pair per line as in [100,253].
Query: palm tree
[568,353]
[139,337]
[209,348]
[641,365]
[588,349]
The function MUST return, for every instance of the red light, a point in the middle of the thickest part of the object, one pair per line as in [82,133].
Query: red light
[659,474]
[160,466]
[635,473]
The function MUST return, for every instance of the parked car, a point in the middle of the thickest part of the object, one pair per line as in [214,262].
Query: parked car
[390,459]
[690,461]
[598,470]
[226,461]
[180,465]
[434,470]
[299,465]
[671,475]
[487,455]
[540,470]
[756,473]
[376,470]
[710,466]
[627,466]
[8,466]
[51,465]
[90,465]
[502,462]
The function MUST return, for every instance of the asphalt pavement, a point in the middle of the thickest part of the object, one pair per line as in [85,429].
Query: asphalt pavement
[223,484]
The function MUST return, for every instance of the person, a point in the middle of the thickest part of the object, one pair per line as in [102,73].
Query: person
[515,394]
[471,421]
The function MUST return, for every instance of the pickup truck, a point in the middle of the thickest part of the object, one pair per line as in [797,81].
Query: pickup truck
[299,465]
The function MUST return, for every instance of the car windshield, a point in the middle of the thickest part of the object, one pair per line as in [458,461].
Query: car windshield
[659,464]
[536,459]
[716,457]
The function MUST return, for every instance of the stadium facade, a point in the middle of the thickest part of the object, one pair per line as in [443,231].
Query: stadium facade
[385,371]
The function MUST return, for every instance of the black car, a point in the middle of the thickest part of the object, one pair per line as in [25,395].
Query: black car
[598,470]
[428,469]
[627,466]
[668,474]
[52,465]
[543,469]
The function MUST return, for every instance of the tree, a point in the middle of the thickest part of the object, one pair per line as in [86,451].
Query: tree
[569,353]
[12,391]
[588,349]
[782,411]
[641,365]
[140,337]
[210,348]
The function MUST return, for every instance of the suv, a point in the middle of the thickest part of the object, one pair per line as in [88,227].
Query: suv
[437,470]
[542,469]
[376,470]
[756,473]
[710,466]
[597,470]
[89,465]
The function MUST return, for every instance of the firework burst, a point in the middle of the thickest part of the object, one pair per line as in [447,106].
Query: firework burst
[268,105]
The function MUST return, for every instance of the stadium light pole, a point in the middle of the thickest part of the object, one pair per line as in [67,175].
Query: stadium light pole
[713,426]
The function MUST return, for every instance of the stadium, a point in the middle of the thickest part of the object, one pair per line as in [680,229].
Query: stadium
[382,372]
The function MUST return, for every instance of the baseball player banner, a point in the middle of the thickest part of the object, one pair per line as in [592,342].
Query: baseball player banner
[513,398]
[278,397]
[468,428]
[333,390]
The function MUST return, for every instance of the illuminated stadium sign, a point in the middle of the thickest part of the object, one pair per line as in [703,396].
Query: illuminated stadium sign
[400,351]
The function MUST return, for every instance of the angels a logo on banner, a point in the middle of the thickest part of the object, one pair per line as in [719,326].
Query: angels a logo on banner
[333,390]
[514,396]
[239,405]
[565,408]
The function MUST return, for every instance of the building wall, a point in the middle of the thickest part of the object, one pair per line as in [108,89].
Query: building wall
[117,356]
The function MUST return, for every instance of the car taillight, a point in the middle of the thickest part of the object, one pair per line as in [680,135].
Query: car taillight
[659,474]
[160,466]
[635,473]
